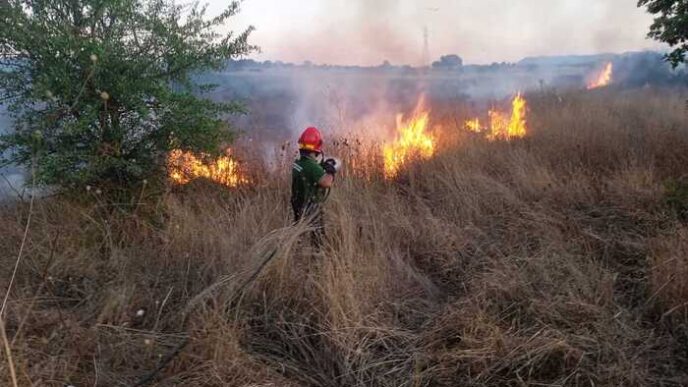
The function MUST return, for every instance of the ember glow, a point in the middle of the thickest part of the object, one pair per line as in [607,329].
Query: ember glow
[474,125]
[183,167]
[502,125]
[604,78]
[413,141]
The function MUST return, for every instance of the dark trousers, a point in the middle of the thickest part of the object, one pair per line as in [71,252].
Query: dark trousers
[314,215]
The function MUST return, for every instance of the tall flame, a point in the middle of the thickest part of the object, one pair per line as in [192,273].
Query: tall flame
[604,78]
[503,126]
[517,125]
[183,167]
[412,141]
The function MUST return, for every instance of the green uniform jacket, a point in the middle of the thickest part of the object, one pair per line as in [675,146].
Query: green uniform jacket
[306,193]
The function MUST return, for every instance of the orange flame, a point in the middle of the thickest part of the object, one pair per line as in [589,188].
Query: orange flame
[604,78]
[412,141]
[503,127]
[517,125]
[183,167]
[474,125]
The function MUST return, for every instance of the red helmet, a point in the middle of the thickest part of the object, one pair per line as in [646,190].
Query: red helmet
[311,140]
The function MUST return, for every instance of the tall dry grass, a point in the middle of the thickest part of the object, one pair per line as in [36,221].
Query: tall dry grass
[549,261]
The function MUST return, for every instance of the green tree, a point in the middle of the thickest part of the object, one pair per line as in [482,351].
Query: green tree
[670,26]
[101,90]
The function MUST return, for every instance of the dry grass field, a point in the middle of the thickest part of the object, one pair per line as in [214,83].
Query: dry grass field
[556,260]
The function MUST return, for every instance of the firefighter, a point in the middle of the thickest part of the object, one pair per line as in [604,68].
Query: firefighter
[311,181]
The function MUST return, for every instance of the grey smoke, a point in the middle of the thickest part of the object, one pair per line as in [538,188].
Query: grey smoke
[367,32]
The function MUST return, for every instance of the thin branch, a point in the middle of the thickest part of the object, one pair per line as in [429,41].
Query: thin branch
[21,248]
[8,352]
[9,184]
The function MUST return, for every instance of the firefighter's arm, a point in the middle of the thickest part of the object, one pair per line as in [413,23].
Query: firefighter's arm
[330,170]
[326,181]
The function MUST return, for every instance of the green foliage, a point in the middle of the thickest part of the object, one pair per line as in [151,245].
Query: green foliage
[676,196]
[101,90]
[671,26]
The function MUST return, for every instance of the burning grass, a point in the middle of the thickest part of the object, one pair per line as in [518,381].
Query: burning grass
[184,167]
[413,141]
[604,78]
[503,127]
[552,261]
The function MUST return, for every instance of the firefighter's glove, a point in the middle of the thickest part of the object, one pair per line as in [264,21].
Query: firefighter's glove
[330,166]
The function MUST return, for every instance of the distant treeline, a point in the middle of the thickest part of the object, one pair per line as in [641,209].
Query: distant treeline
[631,69]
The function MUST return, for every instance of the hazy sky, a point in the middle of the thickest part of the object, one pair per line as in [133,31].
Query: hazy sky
[481,31]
